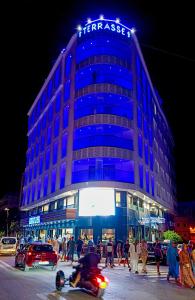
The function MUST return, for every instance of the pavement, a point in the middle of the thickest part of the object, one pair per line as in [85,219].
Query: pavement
[36,284]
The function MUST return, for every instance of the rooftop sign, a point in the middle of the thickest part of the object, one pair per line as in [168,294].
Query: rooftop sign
[105,25]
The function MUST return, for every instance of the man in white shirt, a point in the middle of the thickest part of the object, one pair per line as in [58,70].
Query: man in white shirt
[134,252]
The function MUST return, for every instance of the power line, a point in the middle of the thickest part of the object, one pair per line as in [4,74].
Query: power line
[168,52]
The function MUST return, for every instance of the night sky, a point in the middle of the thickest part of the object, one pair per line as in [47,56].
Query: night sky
[34,32]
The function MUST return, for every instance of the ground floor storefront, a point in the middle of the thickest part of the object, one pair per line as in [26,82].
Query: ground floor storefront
[119,216]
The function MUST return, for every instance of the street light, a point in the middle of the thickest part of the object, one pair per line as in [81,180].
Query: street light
[7,210]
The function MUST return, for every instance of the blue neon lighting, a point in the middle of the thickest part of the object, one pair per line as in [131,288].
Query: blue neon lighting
[103,45]
[103,73]
[141,176]
[62,175]
[103,103]
[94,169]
[105,25]
[103,135]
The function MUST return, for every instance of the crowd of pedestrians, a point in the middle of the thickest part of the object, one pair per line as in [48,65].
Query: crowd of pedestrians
[181,262]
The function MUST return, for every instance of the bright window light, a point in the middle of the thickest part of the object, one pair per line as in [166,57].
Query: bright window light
[96,202]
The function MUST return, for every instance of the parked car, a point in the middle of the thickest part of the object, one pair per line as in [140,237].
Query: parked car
[8,245]
[35,255]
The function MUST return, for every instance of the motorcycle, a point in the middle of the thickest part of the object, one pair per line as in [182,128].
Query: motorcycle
[94,282]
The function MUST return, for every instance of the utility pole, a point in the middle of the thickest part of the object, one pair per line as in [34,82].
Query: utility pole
[7,210]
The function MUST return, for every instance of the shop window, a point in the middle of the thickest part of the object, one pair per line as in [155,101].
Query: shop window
[118,199]
[86,235]
[108,234]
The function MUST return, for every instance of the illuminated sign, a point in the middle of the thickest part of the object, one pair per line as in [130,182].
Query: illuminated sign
[34,220]
[152,220]
[105,25]
[192,230]
[96,202]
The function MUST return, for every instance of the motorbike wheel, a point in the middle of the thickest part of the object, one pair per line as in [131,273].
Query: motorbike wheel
[60,280]
[100,293]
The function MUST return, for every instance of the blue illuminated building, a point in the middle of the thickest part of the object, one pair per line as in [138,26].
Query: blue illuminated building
[97,123]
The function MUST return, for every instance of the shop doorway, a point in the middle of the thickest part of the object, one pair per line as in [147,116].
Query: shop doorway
[108,233]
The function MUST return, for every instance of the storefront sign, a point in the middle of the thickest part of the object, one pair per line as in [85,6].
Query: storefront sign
[34,220]
[152,220]
[105,25]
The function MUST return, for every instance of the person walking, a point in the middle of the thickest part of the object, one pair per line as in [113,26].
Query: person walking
[193,258]
[99,249]
[71,248]
[126,254]
[134,251]
[144,255]
[173,261]
[158,255]
[109,253]
[186,274]
[55,244]
[79,246]
[64,249]
[119,252]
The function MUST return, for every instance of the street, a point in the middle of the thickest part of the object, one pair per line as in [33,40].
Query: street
[40,284]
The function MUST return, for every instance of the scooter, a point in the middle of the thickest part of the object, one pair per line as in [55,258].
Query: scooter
[95,282]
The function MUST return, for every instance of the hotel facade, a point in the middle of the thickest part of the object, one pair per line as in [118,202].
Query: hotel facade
[100,160]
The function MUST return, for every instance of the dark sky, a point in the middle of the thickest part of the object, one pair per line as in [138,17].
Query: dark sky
[32,36]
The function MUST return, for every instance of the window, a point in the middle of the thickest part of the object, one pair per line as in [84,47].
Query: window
[49,135]
[141,176]
[62,175]
[50,113]
[53,181]
[70,201]
[139,118]
[47,159]
[140,145]
[60,204]
[56,126]
[46,208]
[55,152]
[65,117]
[118,199]
[45,185]
[64,145]
[40,165]
[58,103]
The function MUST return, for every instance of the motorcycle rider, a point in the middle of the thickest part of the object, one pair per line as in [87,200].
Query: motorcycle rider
[87,263]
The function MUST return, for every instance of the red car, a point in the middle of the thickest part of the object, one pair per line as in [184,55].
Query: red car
[35,255]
